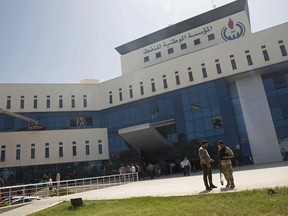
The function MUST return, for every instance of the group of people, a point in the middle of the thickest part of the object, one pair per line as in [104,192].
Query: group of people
[225,154]
[145,171]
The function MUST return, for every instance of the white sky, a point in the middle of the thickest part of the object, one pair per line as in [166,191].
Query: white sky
[64,41]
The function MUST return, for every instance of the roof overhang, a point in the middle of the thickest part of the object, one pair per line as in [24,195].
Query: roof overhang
[144,137]
[194,22]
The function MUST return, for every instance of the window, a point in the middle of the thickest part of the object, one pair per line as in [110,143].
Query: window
[146,59]
[8,103]
[248,57]
[46,150]
[22,102]
[32,151]
[60,149]
[265,53]
[141,88]
[17,154]
[87,149]
[8,123]
[74,152]
[2,155]
[130,91]
[211,37]
[177,78]
[279,81]
[218,66]
[249,60]
[120,95]
[170,50]
[153,85]
[158,55]
[285,111]
[183,46]
[85,103]
[217,122]
[233,62]
[204,71]
[60,101]
[190,74]
[18,151]
[282,48]
[48,101]
[35,102]
[165,85]
[73,101]
[197,42]
[110,97]
[100,150]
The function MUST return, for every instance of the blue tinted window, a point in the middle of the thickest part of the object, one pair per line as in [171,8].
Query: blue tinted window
[32,153]
[17,154]
[265,55]
[233,64]
[249,60]
[100,150]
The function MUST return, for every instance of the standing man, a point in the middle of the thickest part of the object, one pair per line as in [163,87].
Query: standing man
[205,162]
[186,166]
[225,154]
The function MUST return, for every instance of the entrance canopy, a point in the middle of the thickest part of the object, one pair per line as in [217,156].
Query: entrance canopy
[144,137]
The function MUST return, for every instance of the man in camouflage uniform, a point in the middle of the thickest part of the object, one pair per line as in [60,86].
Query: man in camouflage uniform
[225,154]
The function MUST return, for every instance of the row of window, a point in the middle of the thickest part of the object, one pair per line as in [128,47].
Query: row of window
[47,150]
[203,70]
[183,46]
[48,102]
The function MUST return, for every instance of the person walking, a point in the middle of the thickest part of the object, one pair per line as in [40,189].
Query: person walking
[186,166]
[205,162]
[224,155]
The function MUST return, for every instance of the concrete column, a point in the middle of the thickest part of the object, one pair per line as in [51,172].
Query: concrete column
[258,120]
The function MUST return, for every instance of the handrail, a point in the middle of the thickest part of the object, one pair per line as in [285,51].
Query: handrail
[12,195]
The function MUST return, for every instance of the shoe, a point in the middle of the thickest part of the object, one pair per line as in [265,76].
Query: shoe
[213,186]
[232,186]
[208,188]
[227,186]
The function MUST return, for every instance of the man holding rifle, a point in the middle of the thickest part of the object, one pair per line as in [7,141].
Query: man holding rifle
[225,154]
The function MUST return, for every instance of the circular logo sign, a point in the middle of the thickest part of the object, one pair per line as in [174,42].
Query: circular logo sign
[233,31]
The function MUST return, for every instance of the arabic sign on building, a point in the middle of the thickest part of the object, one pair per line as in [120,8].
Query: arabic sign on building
[179,40]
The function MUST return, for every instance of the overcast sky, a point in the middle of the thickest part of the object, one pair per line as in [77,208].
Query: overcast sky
[65,41]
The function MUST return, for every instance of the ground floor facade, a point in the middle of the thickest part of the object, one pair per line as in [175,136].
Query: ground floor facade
[248,113]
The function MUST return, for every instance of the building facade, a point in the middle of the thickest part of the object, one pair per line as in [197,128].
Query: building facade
[208,77]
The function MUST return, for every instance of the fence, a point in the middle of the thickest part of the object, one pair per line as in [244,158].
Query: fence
[26,193]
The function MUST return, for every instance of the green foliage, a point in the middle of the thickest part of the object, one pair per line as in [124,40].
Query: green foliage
[251,202]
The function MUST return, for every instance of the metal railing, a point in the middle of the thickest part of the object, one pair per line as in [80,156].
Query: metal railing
[29,192]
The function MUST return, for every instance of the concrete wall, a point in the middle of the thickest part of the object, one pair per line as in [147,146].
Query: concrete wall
[10,140]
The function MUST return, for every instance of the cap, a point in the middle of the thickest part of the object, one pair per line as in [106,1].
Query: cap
[220,142]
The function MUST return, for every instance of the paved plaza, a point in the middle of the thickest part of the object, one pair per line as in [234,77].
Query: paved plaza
[246,178]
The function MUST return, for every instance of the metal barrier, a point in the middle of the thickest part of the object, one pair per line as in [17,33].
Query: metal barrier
[26,193]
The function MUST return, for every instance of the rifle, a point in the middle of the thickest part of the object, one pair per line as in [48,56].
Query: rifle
[221,175]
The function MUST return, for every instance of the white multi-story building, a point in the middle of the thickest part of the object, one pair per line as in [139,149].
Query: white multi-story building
[208,77]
